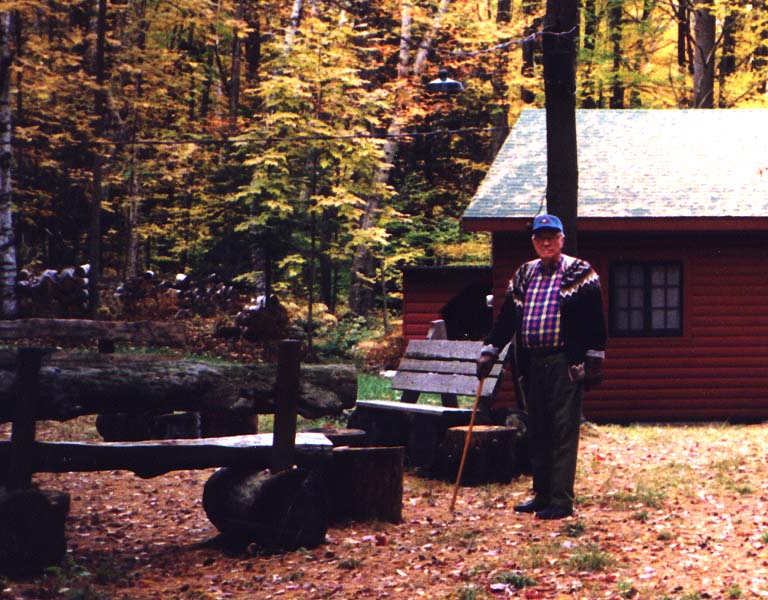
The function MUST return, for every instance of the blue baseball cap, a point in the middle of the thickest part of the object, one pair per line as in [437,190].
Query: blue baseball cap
[547,222]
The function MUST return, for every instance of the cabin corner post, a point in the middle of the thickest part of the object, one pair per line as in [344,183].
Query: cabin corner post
[23,428]
[286,405]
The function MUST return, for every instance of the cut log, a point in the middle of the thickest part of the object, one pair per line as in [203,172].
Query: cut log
[31,530]
[280,511]
[365,484]
[163,333]
[153,458]
[74,384]
[490,457]
[342,437]
[418,427]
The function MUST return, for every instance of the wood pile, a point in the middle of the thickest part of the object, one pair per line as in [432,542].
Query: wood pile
[148,294]
[54,293]
[64,294]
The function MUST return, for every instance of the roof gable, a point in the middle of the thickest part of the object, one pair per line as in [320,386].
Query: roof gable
[638,163]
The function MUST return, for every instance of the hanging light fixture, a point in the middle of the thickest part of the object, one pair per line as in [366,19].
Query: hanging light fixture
[445,84]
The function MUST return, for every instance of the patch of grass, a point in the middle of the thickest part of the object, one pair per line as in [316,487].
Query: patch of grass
[640,515]
[517,579]
[729,472]
[665,535]
[626,589]
[642,494]
[540,554]
[470,592]
[590,558]
[374,387]
[734,591]
[574,529]
[350,564]
[764,537]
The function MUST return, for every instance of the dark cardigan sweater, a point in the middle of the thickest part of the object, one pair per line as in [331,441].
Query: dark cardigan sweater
[581,312]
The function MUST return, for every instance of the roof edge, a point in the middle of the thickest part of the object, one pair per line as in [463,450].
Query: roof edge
[622,224]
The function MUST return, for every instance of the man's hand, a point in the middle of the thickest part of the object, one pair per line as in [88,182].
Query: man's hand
[593,371]
[484,365]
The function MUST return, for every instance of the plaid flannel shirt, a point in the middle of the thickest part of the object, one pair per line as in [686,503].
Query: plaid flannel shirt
[541,314]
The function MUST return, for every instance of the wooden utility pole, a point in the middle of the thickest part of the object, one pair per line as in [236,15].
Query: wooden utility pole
[561,31]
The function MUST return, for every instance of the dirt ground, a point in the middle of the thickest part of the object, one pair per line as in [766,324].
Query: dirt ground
[662,512]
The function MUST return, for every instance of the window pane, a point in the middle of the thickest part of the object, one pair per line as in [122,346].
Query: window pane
[658,275]
[673,297]
[657,319]
[673,319]
[636,276]
[621,297]
[636,298]
[657,297]
[636,320]
[621,320]
[620,276]
[673,274]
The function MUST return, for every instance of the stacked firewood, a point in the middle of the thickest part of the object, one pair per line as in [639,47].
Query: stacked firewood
[64,294]
[53,293]
[148,295]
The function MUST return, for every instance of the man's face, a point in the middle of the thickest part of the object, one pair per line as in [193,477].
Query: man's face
[548,244]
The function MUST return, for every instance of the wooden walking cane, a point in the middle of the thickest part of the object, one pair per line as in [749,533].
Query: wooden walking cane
[466,443]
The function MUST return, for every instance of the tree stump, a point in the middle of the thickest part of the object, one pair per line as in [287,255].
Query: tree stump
[490,457]
[354,438]
[31,530]
[280,512]
[365,484]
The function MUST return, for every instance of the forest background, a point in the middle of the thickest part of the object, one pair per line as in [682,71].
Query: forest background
[294,149]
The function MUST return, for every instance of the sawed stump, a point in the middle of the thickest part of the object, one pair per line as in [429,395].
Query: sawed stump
[490,457]
[31,530]
[279,512]
[365,484]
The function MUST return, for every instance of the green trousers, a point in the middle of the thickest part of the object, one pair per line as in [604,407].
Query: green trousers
[554,419]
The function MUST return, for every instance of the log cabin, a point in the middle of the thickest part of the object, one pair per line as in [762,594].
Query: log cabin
[673,214]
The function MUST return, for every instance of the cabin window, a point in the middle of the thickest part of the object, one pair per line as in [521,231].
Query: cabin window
[646,299]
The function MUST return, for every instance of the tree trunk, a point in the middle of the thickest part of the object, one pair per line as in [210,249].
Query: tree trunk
[616,12]
[360,291]
[500,117]
[727,64]
[99,187]
[591,20]
[8,304]
[78,384]
[293,23]
[234,96]
[683,34]
[704,59]
[562,18]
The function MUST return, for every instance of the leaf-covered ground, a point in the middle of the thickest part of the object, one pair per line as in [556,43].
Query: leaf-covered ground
[663,512]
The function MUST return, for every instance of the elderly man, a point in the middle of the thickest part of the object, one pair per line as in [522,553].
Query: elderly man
[554,307]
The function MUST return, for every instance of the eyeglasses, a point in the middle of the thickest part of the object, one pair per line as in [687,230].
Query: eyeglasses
[547,237]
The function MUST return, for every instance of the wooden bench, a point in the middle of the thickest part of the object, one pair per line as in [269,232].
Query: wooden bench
[433,365]
[39,384]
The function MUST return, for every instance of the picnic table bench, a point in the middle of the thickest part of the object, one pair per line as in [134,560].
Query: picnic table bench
[433,365]
[39,384]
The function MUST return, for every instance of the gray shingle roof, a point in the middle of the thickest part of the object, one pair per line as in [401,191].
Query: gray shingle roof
[638,163]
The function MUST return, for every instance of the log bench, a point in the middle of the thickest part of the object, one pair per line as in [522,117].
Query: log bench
[39,384]
[433,365]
